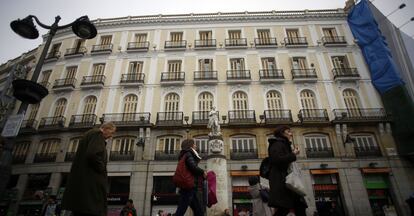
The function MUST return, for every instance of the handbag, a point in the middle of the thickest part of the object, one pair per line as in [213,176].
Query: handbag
[265,168]
[294,181]
[183,178]
[264,194]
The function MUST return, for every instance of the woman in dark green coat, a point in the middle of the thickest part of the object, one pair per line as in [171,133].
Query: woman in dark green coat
[86,190]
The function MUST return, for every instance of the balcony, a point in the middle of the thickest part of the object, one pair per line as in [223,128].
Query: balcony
[295,42]
[66,84]
[167,155]
[45,84]
[265,42]
[101,49]
[97,81]
[360,115]
[83,121]
[169,118]
[319,152]
[333,41]
[132,79]
[121,156]
[28,126]
[45,157]
[243,154]
[238,117]
[138,46]
[236,43]
[304,75]
[205,44]
[345,74]
[200,117]
[75,52]
[173,78]
[128,119]
[205,77]
[52,123]
[70,156]
[271,75]
[52,56]
[278,116]
[368,151]
[238,76]
[175,45]
[313,115]
[19,159]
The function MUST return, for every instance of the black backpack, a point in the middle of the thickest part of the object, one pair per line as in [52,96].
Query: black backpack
[265,168]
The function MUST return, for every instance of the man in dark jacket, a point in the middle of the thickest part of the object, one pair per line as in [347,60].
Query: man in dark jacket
[189,197]
[85,193]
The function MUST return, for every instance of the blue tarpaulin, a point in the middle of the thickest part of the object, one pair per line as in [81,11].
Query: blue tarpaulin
[377,55]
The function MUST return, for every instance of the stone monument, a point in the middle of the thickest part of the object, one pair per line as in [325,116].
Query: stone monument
[216,161]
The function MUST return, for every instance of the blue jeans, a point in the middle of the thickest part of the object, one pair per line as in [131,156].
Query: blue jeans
[189,198]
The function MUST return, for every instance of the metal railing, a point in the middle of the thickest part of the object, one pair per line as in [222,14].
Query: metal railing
[242,117]
[19,159]
[167,155]
[295,41]
[209,43]
[175,44]
[371,151]
[67,82]
[70,156]
[319,152]
[345,72]
[102,48]
[172,76]
[92,80]
[277,116]
[200,117]
[121,156]
[263,42]
[84,120]
[271,74]
[75,51]
[236,42]
[53,55]
[304,73]
[333,40]
[138,45]
[243,154]
[205,75]
[29,124]
[133,78]
[170,118]
[45,157]
[313,115]
[238,74]
[52,122]
[45,84]
[360,114]
[120,119]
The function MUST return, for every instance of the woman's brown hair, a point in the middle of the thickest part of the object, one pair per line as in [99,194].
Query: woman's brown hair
[187,144]
[280,129]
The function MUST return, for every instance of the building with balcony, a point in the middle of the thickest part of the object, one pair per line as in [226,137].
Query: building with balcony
[157,77]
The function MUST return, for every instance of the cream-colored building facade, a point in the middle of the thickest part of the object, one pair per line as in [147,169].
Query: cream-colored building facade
[157,77]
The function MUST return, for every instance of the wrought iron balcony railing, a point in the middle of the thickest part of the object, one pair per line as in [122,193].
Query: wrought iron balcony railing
[75,51]
[243,154]
[45,84]
[265,42]
[62,83]
[102,48]
[70,156]
[319,152]
[19,159]
[295,41]
[175,44]
[277,116]
[368,151]
[29,124]
[304,74]
[333,40]
[128,119]
[135,46]
[313,115]
[45,157]
[340,73]
[133,78]
[208,43]
[93,80]
[205,75]
[270,74]
[360,114]
[242,117]
[167,155]
[170,118]
[121,156]
[172,76]
[238,75]
[52,55]
[200,117]
[84,120]
[236,42]
[52,122]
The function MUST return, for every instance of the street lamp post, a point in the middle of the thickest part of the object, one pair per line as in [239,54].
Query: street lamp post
[29,91]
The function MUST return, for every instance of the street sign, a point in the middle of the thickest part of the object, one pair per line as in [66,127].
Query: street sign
[13,124]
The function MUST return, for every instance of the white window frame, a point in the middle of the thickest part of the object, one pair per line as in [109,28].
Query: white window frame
[243,143]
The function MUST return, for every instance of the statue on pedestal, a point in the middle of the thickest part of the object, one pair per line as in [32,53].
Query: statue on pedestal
[213,122]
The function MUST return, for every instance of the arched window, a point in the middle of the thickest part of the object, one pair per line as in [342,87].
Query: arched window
[317,145]
[20,150]
[34,108]
[240,101]
[73,144]
[307,99]
[60,107]
[243,147]
[168,148]
[205,101]
[47,150]
[130,104]
[202,144]
[123,145]
[89,105]
[274,100]
[172,102]
[351,99]
[365,145]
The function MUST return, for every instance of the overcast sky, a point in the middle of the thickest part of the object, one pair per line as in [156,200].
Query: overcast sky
[11,45]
